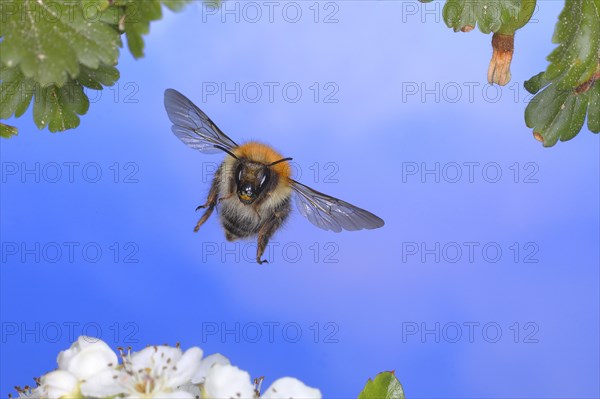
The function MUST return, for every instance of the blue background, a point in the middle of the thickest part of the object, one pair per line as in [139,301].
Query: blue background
[363,146]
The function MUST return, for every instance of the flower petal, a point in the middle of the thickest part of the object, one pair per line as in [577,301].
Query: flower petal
[290,388]
[206,364]
[103,384]
[58,384]
[193,389]
[226,381]
[186,367]
[86,357]
[155,357]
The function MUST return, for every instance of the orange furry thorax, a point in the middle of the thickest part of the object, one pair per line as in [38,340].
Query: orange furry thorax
[262,153]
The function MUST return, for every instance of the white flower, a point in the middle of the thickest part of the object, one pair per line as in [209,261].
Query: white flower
[87,357]
[290,388]
[154,372]
[102,385]
[192,389]
[28,392]
[226,381]
[90,369]
[59,384]
[206,364]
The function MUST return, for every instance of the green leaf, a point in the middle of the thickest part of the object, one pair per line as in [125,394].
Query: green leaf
[51,49]
[594,109]
[569,86]
[50,39]
[502,16]
[95,5]
[177,5]
[97,78]
[59,107]
[577,34]
[137,17]
[534,84]
[385,386]
[113,16]
[7,131]
[488,15]
[56,107]
[559,114]
[15,92]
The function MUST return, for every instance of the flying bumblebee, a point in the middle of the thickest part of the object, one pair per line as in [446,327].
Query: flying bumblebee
[253,186]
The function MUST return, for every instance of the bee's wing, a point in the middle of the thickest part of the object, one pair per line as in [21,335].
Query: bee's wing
[192,126]
[329,213]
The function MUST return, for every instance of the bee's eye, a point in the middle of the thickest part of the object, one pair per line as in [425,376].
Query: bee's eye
[238,175]
[265,177]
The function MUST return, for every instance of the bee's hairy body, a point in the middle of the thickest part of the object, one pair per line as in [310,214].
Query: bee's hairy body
[272,205]
[243,221]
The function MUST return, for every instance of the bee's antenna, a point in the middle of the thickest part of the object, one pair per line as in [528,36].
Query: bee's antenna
[281,160]
[226,150]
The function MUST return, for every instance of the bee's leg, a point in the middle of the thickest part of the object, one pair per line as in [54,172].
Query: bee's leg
[202,206]
[265,233]
[226,197]
[257,214]
[211,201]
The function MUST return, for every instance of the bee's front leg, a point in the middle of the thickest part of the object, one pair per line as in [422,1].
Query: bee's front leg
[211,201]
[265,233]
[226,197]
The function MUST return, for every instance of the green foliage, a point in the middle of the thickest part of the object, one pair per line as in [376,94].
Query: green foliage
[137,23]
[569,87]
[7,131]
[15,92]
[489,15]
[577,34]
[50,50]
[54,106]
[49,40]
[385,386]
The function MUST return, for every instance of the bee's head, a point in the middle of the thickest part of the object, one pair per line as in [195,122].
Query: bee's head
[251,180]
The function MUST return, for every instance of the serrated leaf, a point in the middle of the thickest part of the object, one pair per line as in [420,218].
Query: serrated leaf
[177,5]
[59,107]
[15,92]
[95,5]
[56,107]
[559,114]
[385,386]
[488,15]
[50,39]
[7,131]
[570,83]
[138,15]
[112,16]
[51,49]
[96,78]
[534,84]
[577,34]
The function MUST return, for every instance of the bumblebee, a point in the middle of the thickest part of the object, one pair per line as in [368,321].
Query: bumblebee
[253,185]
